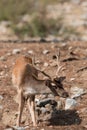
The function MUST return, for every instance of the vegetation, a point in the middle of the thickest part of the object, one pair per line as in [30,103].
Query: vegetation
[39,24]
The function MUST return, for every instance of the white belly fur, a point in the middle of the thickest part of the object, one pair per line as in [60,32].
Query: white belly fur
[30,91]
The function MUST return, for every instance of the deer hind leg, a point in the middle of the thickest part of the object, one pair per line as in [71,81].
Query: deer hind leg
[31,106]
[21,105]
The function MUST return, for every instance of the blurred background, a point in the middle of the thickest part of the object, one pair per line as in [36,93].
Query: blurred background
[49,19]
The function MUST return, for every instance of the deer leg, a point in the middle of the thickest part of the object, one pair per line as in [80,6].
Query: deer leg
[21,105]
[31,105]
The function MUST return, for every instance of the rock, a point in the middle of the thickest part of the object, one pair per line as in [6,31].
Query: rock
[16,51]
[85,126]
[43,102]
[5,66]
[70,103]
[46,64]
[64,44]
[72,79]
[51,96]
[30,52]
[46,52]
[7,110]
[37,100]
[77,92]
[9,54]
[2,73]
[38,62]
[43,110]
[16,128]
[48,106]
[43,96]
[3,58]
[1,97]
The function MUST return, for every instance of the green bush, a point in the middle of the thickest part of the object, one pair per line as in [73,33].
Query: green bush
[39,26]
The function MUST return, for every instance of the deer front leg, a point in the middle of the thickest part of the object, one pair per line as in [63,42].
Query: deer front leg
[31,105]
[21,105]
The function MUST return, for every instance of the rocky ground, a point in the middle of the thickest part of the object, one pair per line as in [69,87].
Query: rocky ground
[53,114]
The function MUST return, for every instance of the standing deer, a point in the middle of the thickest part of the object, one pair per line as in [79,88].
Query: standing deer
[25,79]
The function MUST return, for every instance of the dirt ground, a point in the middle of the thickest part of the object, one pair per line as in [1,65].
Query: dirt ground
[74,59]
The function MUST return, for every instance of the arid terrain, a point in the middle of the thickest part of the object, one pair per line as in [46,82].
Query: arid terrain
[73,55]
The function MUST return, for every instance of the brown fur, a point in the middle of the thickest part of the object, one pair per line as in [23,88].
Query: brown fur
[25,79]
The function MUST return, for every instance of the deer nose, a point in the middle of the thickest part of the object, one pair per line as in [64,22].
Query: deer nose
[65,95]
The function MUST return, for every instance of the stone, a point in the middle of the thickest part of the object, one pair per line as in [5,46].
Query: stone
[77,92]
[46,52]
[3,58]
[37,100]
[47,106]
[43,96]
[72,79]
[16,51]
[51,96]
[43,102]
[43,110]
[46,64]
[9,54]
[16,128]
[2,73]
[70,103]
[30,52]
[1,97]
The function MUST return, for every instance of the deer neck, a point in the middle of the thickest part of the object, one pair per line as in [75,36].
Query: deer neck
[41,86]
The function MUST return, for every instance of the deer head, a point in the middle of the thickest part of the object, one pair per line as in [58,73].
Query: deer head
[55,83]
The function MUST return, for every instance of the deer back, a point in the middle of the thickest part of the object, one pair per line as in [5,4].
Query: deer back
[22,69]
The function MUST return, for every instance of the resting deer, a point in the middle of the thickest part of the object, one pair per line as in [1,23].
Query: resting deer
[25,79]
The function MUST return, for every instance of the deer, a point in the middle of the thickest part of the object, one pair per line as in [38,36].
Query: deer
[25,80]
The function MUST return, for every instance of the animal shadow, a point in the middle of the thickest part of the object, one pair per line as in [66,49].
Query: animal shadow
[64,117]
